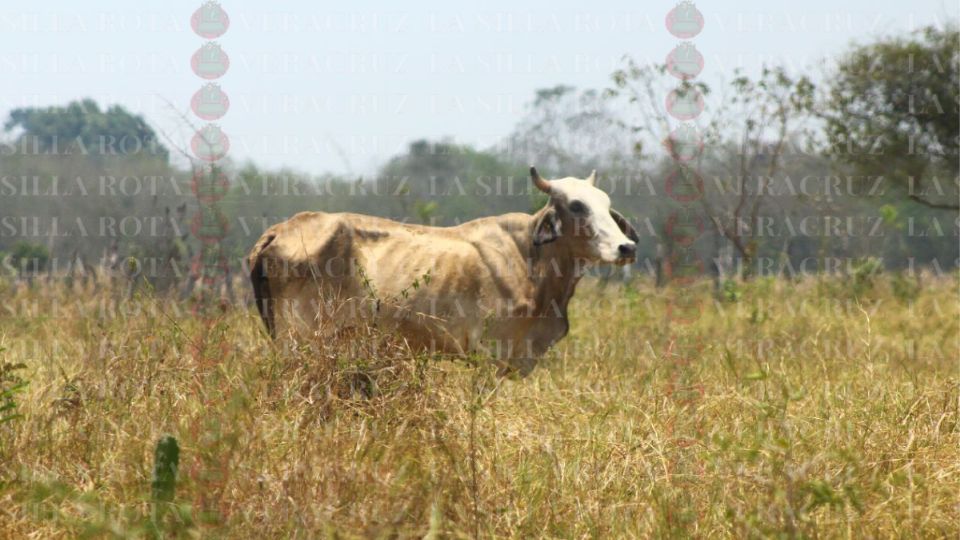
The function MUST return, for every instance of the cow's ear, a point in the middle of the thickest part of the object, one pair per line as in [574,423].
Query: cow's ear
[624,225]
[547,229]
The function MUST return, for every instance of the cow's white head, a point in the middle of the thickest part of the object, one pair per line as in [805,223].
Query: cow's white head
[580,213]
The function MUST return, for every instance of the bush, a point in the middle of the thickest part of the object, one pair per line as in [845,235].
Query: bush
[906,287]
[29,258]
[10,385]
[730,291]
[863,274]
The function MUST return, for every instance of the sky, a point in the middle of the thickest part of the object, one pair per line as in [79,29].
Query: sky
[319,89]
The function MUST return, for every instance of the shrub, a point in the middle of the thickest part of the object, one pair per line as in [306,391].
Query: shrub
[730,291]
[10,385]
[29,258]
[906,287]
[863,274]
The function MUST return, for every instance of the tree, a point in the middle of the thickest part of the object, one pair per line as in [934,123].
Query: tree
[571,132]
[894,111]
[82,127]
[644,87]
[754,124]
[752,132]
[644,116]
[445,183]
[107,183]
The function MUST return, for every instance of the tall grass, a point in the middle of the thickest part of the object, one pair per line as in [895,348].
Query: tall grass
[790,409]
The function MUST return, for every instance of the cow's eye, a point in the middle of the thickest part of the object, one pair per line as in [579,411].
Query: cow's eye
[578,207]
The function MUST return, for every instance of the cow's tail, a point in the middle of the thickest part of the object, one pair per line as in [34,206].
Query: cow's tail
[261,285]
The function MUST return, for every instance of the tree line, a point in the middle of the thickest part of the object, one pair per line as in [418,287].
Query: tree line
[795,176]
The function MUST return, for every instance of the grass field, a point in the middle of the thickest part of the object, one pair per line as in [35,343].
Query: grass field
[822,408]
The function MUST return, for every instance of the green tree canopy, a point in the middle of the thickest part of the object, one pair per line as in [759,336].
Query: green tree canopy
[461,182]
[894,111]
[82,127]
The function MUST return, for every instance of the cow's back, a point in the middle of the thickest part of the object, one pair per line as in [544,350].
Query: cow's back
[435,285]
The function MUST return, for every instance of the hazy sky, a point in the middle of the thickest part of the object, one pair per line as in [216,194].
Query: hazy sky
[341,89]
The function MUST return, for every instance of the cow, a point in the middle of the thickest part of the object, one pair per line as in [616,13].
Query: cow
[495,286]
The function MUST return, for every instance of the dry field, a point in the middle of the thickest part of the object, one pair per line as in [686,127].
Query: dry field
[820,408]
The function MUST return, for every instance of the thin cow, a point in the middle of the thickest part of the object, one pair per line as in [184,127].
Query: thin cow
[496,286]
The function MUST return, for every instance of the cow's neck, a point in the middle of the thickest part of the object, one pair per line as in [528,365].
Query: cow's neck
[552,269]
[555,274]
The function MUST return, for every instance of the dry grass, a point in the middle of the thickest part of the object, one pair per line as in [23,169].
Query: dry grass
[795,411]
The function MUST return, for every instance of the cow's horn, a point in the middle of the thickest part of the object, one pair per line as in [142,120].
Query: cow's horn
[541,184]
[592,179]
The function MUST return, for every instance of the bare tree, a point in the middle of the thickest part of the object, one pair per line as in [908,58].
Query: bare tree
[645,88]
[753,125]
[747,140]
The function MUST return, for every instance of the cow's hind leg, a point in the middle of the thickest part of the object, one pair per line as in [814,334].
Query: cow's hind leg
[261,286]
